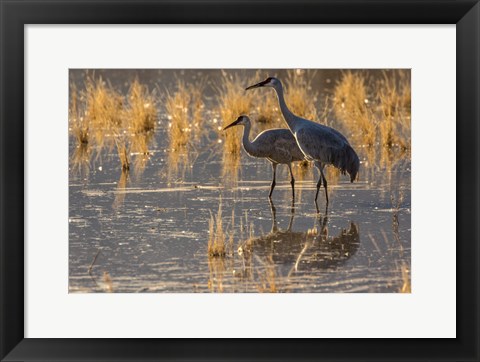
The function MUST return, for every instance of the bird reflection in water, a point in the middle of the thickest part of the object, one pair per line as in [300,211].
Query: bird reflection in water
[288,252]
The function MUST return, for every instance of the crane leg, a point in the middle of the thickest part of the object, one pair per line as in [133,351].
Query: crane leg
[319,183]
[272,186]
[292,181]
[324,182]
[274,216]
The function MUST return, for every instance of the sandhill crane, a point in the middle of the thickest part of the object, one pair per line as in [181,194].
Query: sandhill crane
[276,145]
[321,144]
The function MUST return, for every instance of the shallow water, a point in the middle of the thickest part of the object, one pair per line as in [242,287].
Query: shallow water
[147,230]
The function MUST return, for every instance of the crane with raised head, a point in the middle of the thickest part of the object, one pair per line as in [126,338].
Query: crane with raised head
[276,145]
[319,143]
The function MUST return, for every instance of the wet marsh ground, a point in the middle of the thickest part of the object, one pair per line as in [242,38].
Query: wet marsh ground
[162,200]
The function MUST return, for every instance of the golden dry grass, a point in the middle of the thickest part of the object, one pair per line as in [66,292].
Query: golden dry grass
[140,117]
[197,105]
[220,242]
[299,94]
[184,110]
[79,128]
[178,108]
[394,97]
[141,111]
[186,127]
[267,110]
[233,101]
[300,97]
[375,112]
[216,240]
[103,111]
[351,105]
[79,125]
[105,119]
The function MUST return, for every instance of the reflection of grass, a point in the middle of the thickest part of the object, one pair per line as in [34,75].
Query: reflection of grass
[178,162]
[300,171]
[406,286]
[120,194]
[397,201]
[108,282]
[267,279]
[216,268]
[81,159]
[231,166]
[220,245]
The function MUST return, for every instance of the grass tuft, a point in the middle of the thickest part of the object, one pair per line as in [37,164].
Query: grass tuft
[141,111]
[103,111]
[220,242]
[216,240]
[178,108]
[375,112]
[351,106]
[233,101]
[394,97]
[299,94]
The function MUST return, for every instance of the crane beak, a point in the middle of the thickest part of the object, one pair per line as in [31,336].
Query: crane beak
[261,84]
[233,123]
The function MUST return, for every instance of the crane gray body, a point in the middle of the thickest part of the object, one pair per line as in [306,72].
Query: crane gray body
[278,145]
[321,144]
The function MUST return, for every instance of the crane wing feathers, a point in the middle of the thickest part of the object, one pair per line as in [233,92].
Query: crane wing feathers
[321,144]
[278,145]
[314,142]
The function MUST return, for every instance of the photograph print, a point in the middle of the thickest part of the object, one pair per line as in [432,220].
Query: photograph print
[239,180]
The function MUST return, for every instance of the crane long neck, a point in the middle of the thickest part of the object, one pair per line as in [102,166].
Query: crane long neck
[247,145]
[287,114]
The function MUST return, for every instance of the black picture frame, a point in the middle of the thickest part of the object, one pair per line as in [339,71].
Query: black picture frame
[16,14]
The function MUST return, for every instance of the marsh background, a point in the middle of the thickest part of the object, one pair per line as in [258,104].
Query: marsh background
[162,200]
